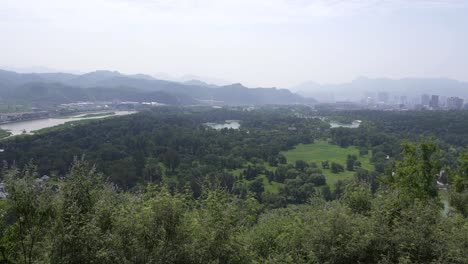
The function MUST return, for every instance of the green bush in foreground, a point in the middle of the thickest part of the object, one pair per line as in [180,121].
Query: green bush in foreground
[85,220]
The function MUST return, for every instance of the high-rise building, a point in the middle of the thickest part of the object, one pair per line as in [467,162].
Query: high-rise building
[403,100]
[425,99]
[454,103]
[383,97]
[434,103]
[442,101]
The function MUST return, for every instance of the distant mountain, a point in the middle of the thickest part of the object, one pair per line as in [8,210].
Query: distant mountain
[57,77]
[31,69]
[204,79]
[93,79]
[190,77]
[239,94]
[92,86]
[10,79]
[358,88]
[38,94]
[49,94]
[199,83]
[131,94]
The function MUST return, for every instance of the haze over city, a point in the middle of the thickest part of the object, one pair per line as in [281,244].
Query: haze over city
[260,43]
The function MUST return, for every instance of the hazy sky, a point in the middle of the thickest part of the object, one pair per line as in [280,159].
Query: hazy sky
[257,42]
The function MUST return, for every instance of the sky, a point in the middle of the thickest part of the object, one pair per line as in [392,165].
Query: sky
[260,43]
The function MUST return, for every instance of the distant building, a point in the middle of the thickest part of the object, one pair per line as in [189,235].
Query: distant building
[383,97]
[442,101]
[425,99]
[403,100]
[454,103]
[434,103]
[418,107]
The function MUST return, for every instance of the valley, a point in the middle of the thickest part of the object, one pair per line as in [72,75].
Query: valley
[272,171]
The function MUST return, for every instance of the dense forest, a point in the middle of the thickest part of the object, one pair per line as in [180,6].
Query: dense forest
[162,186]
[176,140]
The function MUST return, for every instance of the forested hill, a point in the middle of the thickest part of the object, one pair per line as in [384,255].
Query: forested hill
[61,87]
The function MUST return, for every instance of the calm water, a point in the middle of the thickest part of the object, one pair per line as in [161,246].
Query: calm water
[354,124]
[17,128]
[234,124]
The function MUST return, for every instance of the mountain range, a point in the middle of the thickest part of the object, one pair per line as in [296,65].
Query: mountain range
[39,89]
[56,88]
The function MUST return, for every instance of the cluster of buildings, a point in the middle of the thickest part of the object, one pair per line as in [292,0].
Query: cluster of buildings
[435,102]
[383,101]
[98,106]
[74,108]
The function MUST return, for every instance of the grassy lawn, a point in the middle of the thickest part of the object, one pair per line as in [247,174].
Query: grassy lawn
[317,152]
[270,187]
[322,150]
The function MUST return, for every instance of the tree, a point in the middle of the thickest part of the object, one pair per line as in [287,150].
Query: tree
[326,193]
[251,172]
[350,165]
[366,177]
[76,236]
[350,162]
[152,170]
[257,187]
[31,207]
[325,164]
[301,165]
[273,161]
[459,201]
[340,186]
[282,159]
[336,168]
[463,169]
[358,197]
[171,159]
[416,174]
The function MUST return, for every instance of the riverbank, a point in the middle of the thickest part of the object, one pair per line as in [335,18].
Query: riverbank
[30,126]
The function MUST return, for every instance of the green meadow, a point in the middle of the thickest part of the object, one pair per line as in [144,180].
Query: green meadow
[317,152]
[322,150]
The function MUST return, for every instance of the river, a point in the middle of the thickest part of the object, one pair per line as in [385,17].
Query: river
[26,127]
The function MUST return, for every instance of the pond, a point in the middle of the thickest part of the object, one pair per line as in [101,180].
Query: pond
[26,127]
[354,124]
[234,124]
